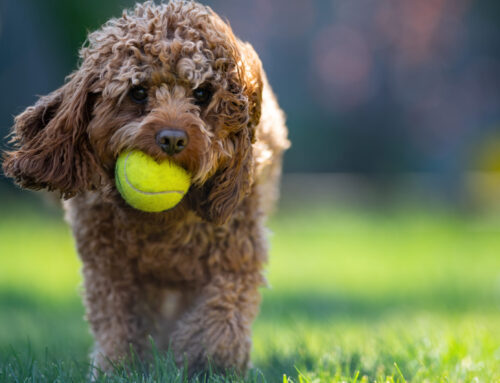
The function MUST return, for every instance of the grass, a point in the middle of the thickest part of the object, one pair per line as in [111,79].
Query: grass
[406,295]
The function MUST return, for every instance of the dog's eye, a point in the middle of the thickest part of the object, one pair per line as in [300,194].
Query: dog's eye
[202,95]
[139,94]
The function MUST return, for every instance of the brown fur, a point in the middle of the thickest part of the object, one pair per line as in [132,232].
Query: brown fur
[189,277]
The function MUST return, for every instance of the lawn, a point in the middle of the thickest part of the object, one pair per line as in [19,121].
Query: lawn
[406,294]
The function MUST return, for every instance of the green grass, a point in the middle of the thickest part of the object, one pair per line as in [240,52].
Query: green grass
[356,296]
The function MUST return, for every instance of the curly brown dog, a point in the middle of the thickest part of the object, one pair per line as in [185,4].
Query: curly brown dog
[188,277]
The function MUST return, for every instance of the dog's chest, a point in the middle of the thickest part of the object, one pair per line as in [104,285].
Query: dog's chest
[166,252]
[179,254]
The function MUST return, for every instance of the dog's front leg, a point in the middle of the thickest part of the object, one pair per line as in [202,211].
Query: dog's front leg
[216,332]
[116,311]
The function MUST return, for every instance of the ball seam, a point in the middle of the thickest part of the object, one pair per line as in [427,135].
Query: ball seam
[142,191]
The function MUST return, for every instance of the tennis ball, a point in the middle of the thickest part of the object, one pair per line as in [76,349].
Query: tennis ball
[147,185]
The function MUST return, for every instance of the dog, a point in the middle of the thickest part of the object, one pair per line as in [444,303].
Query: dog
[187,277]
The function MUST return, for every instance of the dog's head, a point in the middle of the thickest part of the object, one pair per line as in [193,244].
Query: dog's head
[171,80]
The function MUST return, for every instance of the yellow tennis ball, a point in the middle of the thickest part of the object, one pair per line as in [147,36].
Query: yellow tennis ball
[147,185]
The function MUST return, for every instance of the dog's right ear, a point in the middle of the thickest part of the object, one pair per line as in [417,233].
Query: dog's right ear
[51,145]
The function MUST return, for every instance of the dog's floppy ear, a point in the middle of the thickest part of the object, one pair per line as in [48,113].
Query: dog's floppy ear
[252,74]
[51,145]
[227,188]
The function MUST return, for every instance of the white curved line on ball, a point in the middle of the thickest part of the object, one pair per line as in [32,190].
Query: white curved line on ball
[142,191]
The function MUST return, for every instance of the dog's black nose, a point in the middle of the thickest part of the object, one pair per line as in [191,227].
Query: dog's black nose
[172,141]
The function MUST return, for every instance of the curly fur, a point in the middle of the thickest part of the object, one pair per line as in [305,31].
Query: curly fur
[189,277]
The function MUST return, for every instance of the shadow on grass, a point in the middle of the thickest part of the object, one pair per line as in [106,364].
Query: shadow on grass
[323,307]
[25,366]
[24,315]
[28,321]
[31,321]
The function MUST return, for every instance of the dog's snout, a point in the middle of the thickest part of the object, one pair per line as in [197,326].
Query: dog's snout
[172,141]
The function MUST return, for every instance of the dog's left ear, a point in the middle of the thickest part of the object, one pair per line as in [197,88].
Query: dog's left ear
[233,181]
[252,75]
[220,196]
[51,145]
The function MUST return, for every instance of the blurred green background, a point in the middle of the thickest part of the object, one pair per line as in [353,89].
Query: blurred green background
[384,252]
